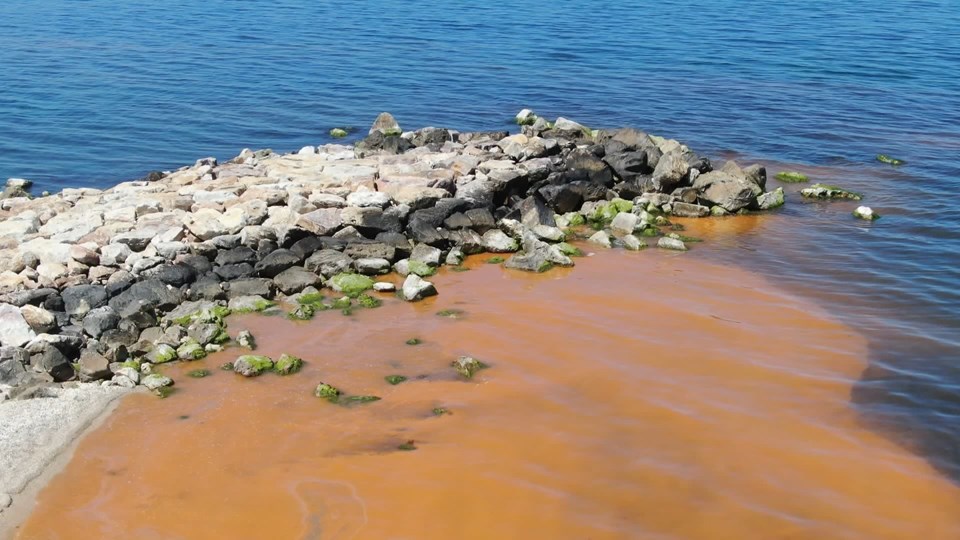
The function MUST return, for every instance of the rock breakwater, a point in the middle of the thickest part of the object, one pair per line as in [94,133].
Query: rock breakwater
[99,285]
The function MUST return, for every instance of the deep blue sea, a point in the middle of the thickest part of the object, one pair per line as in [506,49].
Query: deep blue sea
[93,92]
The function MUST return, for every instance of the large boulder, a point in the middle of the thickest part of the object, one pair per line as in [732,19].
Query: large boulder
[149,294]
[672,169]
[726,191]
[328,263]
[276,262]
[80,299]
[295,279]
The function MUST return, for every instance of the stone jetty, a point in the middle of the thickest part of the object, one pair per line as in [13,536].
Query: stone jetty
[99,285]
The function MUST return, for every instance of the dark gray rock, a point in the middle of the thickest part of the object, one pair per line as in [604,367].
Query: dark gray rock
[370,250]
[729,192]
[305,247]
[672,170]
[328,263]
[118,282]
[583,165]
[233,272]
[276,262]
[199,263]
[93,366]
[226,241]
[442,210]
[176,275]
[80,299]
[251,287]
[13,361]
[457,221]
[399,242]
[204,333]
[99,320]
[45,357]
[370,221]
[207,288]
[431,137]
[561,197]
[149,294]
[481,219]
[534,211]
[238,255]
[683,209]
[295,279]
[33,297]
[424,232]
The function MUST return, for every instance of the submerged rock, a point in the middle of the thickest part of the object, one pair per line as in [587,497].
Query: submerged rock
[883,158]
[155,381]
[467,366]
[327,391]
[865,213]
[245,339]
[251,365]
[824,191]
[792,177]
[287,364]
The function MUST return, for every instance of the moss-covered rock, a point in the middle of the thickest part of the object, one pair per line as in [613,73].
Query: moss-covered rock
[865,213]
[302,313]
[310,299]
[883,158]
[792,177]
[569,250]
[467,366]
[825,191]
[575,219]
[344,302]
[351,285]
[440,411]
[250,304]
[191,350]
[420,268]
[162,354]
[395,379]
[338,133]
[327,391]
[367,301]
[252,365]
[287,364]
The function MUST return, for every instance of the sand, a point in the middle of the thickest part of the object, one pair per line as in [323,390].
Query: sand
[37,438]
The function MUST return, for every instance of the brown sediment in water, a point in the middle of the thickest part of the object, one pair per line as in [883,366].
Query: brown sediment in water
[640,395]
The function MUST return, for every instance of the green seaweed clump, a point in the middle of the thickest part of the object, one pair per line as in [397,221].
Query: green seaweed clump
[825,191]
[351,284]
[467,366]
[569,250]
[440,411]
[368,301]
[287,365]
[451,313]
[303,312]
[329,392]
[338,133]
[495,260]
[198,373]
[408,446]
[191,350]
[343,302]
[395,379]
[883,158]
[792,177]
[359,399]
[650,232]
[576,219]
[414,341]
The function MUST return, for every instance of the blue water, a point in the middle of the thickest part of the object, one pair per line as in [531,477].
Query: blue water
[97,91]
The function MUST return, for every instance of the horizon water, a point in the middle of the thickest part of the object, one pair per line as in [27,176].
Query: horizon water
[95,93]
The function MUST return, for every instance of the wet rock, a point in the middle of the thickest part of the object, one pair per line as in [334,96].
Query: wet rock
[496,241]
[287,365]
[769,200]
[351,285]
[467,366]
[245,339]
[416,288]
[600,238]
[249,304]
[161,354]
[865,213]
[625,223]
[824,191]
[156,382]
[276,262]
[250,365]
[729,192]
[671,243]
[294,280]
[682,209]
[883,158]
[14,329]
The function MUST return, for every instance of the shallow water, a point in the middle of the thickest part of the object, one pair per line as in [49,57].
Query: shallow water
[640,395]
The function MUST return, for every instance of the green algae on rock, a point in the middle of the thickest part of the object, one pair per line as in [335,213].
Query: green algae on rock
[252,365]
[287,364]
[414,341]
[338,133]
[451,313]
[420,268]
[326,391]
[495,260]
[395,379]
[467,366]
[367,301]
[191,350]
[459,269]
[408,446]
[792,177]
[825,191]
[865,213]
[246,340]
[162,354]
[883,158]
[198,373]
[351,285]
[440,411]
[303,312]
[569,250]
[348,400]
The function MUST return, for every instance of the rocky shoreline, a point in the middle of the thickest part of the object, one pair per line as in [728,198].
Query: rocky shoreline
[100,285]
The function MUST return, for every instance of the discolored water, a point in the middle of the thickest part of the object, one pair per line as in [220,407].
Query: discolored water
[98,91]
[641,395]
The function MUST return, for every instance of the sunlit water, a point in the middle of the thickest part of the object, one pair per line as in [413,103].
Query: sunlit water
[98,91]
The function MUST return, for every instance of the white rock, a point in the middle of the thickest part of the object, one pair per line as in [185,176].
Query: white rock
[368,199]
[156,382]
[497,241]
[601,238]
[547,232]
[633,243]
[383,286]
[14,330]
[307,151]
[114,254]
[671,243]
[416,288]
[625,222]
[866,213]
[526,116]
[130,373]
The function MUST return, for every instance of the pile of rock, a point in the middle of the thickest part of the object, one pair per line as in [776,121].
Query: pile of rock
[89,278]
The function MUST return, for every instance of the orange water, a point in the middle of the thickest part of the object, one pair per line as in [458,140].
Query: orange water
[639,395]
